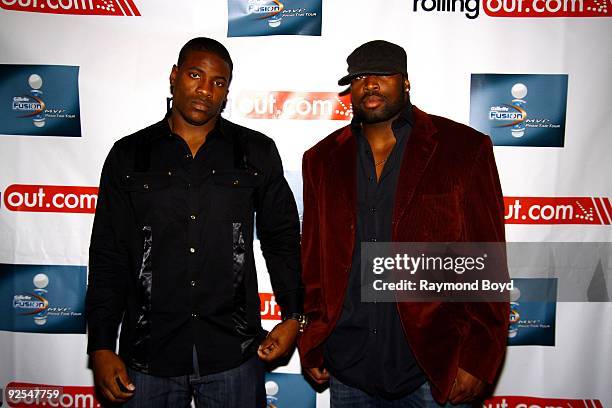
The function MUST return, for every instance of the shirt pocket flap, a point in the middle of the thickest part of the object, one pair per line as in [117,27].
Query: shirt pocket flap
[144,182]
[237,179]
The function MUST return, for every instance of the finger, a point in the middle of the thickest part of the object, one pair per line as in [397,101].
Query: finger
[265,353]
[125,382]
[453,391]
[319,376]
[460,396]
[273,354]
[456,392]
[317,379]
[114,389]
[267,348]
[108,395]
[274,351]
[324,374]
[267,344]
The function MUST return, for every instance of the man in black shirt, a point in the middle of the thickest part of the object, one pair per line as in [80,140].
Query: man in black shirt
[171,255]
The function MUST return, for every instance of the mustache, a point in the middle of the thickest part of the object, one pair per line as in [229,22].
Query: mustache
[372,93]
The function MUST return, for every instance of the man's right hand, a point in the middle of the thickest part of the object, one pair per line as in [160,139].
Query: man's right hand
[318,375]
[109,371]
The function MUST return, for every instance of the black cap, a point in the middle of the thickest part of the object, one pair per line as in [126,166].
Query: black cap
[375,57]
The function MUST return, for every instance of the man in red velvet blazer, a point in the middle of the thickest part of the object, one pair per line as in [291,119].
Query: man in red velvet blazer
[396,174]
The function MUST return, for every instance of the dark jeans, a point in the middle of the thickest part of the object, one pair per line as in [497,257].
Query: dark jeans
[344,396]
[240,387]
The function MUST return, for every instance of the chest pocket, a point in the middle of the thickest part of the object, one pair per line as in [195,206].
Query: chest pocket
[234,192]
[148,194]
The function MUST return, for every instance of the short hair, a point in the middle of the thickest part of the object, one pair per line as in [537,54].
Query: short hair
[206,44]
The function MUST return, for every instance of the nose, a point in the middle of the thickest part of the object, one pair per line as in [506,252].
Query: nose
[371,82]
[204,88]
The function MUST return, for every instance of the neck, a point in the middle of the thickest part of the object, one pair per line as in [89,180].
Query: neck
[381,132]
[187,130]
[193,135]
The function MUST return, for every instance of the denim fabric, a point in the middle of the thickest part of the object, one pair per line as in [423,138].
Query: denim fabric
[240,387]
[343,396]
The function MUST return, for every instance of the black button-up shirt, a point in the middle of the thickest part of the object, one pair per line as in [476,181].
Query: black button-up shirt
[368,349]
[171,253]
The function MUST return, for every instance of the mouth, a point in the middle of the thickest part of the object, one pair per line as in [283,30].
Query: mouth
[372,101]
[201,104]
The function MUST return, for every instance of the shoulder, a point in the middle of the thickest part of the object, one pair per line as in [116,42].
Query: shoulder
[451,135]
[257,141]
[131,142]
[325,146]
[450,128]
[253,136]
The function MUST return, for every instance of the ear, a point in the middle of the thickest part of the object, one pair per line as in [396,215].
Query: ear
[173,75]
[406,84]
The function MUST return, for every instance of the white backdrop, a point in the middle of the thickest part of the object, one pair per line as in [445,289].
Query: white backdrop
[123,82]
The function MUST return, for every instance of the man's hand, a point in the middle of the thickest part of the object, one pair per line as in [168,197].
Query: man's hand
[109,371]
[318,375]
[466,388]
[279,342]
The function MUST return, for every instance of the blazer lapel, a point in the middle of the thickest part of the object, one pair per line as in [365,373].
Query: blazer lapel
[342,175]
[419,150]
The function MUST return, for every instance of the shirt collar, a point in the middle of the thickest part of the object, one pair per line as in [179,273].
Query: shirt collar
[163,128]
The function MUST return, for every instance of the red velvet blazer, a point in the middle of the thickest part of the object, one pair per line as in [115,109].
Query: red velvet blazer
[448,190]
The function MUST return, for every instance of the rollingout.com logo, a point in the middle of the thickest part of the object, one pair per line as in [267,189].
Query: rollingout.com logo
[78,7]
[471,8]
[517,8]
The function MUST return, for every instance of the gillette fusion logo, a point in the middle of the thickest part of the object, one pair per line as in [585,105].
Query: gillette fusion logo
[517,8]
[77,7]
[505,112]
[268,8]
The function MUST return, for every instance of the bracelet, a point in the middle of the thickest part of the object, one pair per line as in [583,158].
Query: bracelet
[302,320]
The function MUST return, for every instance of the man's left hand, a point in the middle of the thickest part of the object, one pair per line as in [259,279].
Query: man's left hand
[279,342]
[466,388]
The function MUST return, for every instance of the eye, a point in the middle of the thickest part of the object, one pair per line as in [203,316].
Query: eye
[194,75]
[220,84]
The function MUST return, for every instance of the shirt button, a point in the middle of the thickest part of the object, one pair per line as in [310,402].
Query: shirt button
[372,239]
[193,217]
[374,331]
[188,156]
[373,209]
[192,250]
[192,283]
[194,315]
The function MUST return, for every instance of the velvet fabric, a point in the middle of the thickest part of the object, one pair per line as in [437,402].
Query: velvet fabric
[448,191]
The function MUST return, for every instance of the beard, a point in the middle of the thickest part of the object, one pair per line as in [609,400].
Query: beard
[390,108]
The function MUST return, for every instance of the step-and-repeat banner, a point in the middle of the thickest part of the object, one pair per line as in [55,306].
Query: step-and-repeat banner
[76,75]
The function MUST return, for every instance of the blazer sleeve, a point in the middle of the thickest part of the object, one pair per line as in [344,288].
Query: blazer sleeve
[486,334]
[311,255]
[311,354]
